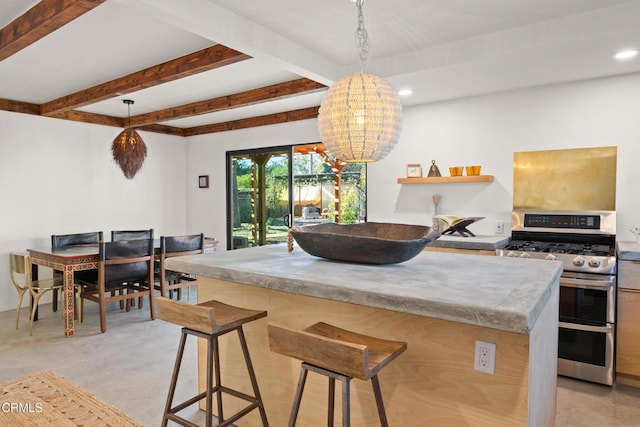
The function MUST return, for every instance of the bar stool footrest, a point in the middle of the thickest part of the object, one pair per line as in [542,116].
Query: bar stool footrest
[254,403]
[179,420]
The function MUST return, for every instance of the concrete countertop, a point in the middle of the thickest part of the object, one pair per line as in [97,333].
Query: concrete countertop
[487,243]
[495,292]
[628,251]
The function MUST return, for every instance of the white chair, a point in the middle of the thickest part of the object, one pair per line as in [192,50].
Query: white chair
[310,212]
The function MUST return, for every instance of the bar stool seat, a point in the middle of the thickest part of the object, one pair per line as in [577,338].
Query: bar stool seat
[209,320]
[338,354]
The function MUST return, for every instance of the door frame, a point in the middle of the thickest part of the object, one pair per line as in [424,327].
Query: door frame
[229,182]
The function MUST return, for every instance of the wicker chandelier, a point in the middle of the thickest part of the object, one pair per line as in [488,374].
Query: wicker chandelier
[360,117]
[129,150]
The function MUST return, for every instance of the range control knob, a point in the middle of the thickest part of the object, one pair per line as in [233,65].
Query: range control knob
[512,254]
[551,257]
[578,261]
[525,255]
[595,262]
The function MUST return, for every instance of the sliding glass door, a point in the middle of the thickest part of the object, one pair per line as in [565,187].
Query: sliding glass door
[270,189]
[259,196]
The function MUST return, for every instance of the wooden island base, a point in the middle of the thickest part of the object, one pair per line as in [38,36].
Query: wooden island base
[432,383]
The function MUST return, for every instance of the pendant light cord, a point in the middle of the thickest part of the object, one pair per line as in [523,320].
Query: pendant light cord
[128,102]
[362,38]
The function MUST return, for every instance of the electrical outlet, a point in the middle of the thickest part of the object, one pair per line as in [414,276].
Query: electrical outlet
[485,359]
[499,226]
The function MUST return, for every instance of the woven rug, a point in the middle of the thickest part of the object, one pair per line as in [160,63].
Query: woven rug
[46,399]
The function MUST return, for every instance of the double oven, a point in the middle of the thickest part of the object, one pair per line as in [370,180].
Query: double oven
[584,241]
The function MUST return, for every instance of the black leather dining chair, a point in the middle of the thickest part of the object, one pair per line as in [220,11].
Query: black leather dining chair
[119,235]
[60,241]
[172,246]
[125,271]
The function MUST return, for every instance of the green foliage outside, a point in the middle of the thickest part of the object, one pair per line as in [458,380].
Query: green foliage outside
[277,180]
[350,207]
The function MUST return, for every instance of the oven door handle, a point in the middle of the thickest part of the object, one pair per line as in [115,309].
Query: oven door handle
[587,284]
[587,328]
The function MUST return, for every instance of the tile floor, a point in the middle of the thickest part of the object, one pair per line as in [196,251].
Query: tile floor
[129,366]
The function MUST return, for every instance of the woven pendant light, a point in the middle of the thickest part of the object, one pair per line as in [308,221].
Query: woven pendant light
[129,150]
[360,117]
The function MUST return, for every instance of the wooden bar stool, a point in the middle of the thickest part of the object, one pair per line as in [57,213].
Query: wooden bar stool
[209,320]
[338,354]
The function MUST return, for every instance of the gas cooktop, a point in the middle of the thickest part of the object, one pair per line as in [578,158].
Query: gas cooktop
[579,258]
[585,249]
[583,241]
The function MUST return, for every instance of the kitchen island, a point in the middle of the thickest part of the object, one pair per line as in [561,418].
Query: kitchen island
[439,303]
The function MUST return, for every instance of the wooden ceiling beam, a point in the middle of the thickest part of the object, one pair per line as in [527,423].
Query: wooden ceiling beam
[96,119]
[203,60]
[39,21]
[81,116]
[167,130]
[19,107]
[242,99]
[269,119]
[120,122]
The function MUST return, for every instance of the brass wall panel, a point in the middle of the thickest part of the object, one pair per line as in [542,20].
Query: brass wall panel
[572,179]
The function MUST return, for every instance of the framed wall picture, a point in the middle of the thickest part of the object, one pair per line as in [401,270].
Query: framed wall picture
[414,170]
[203,181]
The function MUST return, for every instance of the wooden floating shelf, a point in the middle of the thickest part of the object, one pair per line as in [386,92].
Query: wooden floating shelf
[446,179]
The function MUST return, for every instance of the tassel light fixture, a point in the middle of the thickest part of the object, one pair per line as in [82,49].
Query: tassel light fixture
[129,150]
[360,116]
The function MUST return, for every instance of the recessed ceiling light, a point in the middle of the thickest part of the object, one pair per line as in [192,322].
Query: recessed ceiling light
[626,54]
[405,92]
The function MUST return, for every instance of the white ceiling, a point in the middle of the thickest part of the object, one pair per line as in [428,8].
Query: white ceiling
[442,49]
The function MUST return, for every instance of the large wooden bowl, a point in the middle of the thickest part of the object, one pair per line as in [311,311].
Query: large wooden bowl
[366,243]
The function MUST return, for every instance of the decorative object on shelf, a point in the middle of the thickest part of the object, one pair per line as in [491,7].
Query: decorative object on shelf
[364,243]
[473,170]
[433,169]
[455,171]
[129,150]
[360,117]
[414,170]
[451,224]
[435,224]
[436,201]
[203,181]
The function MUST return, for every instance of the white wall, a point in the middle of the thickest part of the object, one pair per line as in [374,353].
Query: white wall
[484,130]
[58,177]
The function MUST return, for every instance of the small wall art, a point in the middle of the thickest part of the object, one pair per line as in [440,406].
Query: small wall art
[414,170]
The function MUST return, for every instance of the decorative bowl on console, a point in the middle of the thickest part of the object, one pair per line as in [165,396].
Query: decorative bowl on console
[365,243]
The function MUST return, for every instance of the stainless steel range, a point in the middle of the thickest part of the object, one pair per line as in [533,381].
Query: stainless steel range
[584,241]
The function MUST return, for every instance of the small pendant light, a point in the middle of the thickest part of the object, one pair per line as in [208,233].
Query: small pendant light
[129,150]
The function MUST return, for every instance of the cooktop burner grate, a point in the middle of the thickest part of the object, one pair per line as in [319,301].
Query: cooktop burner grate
[560,248]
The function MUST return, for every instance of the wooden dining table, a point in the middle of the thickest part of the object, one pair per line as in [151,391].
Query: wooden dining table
[67,260]
[75,258]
